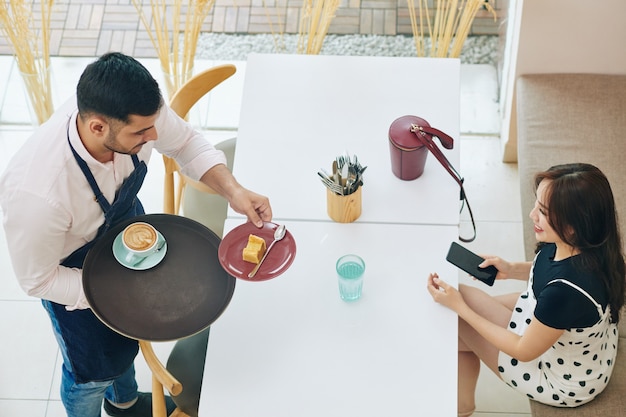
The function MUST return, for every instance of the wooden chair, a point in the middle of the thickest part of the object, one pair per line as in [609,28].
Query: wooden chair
[186,360]
[161,378]
[182,101]
[209,209]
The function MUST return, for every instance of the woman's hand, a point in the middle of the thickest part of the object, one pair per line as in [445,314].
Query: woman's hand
[507,270]
[444,294]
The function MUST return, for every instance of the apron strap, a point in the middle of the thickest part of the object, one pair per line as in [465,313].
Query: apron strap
[96,352]
[100,198]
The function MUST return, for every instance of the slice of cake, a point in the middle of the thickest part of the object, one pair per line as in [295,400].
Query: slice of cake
[254,250]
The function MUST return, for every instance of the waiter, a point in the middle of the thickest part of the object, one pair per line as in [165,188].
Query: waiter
[74,179]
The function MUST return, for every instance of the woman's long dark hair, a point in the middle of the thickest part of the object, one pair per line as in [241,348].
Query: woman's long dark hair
[581,210]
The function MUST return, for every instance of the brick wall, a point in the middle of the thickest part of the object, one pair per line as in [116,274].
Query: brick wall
[380,17]
[93,27]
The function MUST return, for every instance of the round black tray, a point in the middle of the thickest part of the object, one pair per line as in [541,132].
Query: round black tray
[182,295]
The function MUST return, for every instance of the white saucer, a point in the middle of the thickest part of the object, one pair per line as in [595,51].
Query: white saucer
[119,252]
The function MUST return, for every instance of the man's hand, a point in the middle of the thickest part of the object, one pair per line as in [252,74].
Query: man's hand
[255,206]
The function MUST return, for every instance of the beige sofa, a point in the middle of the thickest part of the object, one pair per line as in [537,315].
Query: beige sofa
[575,118]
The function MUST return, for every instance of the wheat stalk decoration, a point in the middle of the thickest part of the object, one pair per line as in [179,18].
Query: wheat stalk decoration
[315,19]
[177,24]
[450,26]
[31,48]
[278,37]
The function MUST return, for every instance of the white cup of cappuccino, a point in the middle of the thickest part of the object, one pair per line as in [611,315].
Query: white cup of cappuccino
[140,240]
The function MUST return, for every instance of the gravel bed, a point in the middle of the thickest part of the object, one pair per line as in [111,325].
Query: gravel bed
[219,46]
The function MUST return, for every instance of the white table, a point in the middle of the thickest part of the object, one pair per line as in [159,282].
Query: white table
[291,347]
[300,111]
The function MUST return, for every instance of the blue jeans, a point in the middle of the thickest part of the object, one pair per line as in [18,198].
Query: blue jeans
[85,400]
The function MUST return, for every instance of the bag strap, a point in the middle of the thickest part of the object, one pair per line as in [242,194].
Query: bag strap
[424,134]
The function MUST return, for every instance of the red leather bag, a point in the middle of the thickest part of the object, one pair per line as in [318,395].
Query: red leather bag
[410,139]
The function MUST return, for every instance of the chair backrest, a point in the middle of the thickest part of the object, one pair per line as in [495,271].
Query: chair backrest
[209,209]
[197,86]
[182,101]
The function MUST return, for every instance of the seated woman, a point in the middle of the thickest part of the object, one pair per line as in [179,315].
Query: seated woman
[556,342]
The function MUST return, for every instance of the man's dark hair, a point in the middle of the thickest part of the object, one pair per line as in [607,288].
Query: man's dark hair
[117,86]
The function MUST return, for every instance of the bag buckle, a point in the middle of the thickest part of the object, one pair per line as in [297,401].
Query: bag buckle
[415,128]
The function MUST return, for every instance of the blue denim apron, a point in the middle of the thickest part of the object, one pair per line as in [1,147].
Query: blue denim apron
[95,352]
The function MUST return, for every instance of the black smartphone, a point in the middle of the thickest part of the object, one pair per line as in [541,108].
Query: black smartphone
[468,261]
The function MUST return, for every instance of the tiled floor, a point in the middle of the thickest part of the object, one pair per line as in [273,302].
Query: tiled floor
[29,358]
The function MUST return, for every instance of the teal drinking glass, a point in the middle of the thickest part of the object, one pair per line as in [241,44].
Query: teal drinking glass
[350,270]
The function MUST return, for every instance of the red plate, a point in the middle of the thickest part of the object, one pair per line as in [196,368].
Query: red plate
[278,260]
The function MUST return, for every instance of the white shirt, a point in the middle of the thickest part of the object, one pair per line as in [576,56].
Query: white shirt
[49,208]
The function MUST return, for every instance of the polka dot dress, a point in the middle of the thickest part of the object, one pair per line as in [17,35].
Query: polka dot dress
[574,370]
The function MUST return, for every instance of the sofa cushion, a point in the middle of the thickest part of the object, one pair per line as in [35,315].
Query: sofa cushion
[564,118]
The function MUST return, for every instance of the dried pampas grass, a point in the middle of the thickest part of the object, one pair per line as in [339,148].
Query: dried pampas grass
[31,48]
[315,19]
[176,23]
[449,27]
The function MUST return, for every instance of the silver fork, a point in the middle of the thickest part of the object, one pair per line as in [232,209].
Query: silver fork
[333,186]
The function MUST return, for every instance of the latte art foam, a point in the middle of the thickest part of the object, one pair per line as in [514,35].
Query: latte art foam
[139,236]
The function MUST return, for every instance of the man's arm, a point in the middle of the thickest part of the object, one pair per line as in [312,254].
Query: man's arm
[35,235]
[199,160]
[255,206]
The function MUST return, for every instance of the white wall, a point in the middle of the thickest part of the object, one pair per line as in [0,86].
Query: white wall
[552,36]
